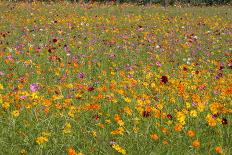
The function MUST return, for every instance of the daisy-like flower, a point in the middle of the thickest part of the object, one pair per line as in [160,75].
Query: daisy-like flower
[34,87]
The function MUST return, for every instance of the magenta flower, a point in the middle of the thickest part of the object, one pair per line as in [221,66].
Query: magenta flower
[158,64]
[34,87]
[81,75]
[23,97]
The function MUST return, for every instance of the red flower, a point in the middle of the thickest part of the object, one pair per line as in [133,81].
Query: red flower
[164,79]
[169,116]
[90,88]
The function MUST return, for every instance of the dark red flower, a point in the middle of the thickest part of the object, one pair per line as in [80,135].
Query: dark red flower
[90,88]
[169,116]
[54,40]
[164,79]
[224,121]
[185,69]
[96,117]
[146,114]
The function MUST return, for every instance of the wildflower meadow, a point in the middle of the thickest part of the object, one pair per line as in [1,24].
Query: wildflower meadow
[108,79]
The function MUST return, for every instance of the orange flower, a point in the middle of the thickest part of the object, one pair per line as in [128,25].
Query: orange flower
[218,149]
[117,118]
[191,133]
[71,151]
[154,136]
[195,143]
[165,142]
[93,107]
[178,127]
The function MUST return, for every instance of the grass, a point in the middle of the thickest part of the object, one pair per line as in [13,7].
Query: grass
[111,79]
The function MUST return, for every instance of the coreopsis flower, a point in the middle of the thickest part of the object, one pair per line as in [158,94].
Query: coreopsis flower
[211,120]
[67,128]
[127,100]
[94,133]
[5,105]
[15,113]
[127,110]
[180,116]
[119,131]
[193,113]
[196,143]
[119,149]
[41,140]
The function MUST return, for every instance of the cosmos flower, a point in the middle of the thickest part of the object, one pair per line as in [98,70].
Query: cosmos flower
[81,75]
[34,87]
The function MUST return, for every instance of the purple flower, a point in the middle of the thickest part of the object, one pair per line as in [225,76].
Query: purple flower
[23,97]
[34,87]
[194,103]
[81,75]
[215,115]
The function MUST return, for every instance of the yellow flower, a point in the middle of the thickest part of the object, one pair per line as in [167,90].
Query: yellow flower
[181,117]
[5,105]
[67,128]
[119,149]
[15,113]
[94,133]
[1,100]
[23,151]
[108,121]
[127,110]
[193,113]
[211,121]
[119,131]
[121,123]
[41,139]
[127,100]
[1,87]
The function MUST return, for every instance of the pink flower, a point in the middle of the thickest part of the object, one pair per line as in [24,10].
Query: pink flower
[2,73]
[158,63]
[34,87]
